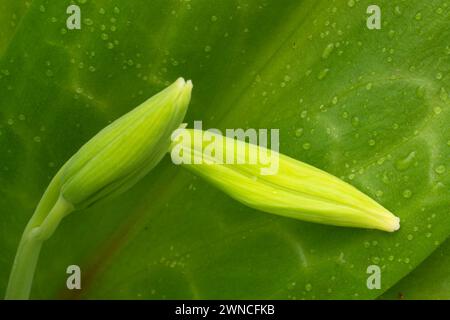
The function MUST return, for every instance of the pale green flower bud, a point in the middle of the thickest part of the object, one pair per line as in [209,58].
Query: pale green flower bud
[126,150]
[297,190]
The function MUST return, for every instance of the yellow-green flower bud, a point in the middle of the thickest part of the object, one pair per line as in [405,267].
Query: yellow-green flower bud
[296,190]
[126,150]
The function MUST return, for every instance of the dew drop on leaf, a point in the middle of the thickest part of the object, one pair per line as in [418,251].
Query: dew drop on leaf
[299,132]
[405,163]
[327,51]
[322,74]
[407,193]
[437,110]
[440,169]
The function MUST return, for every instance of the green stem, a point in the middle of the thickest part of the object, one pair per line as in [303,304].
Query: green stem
[22,273]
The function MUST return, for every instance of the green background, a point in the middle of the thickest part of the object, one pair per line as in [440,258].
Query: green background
[369,106]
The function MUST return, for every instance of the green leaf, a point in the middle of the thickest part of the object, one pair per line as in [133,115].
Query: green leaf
[11,13]
[369,106]
[431,280]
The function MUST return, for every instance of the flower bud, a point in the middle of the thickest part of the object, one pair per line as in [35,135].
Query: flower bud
[126,150]
[297,190]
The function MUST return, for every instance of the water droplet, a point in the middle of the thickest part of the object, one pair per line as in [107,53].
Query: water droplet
[327,51]
[376,260]
[334,100]
[322,74]
[37,139]
[101,11]
[410,237]
[207,48]
[10,122]
[308,287]
[407,193]
[351,3]
[104,36]
[437,110]
[372,142]
[418,16]
[303,114]
[307,146]
[438,76]
[213,18]
[406,162]
[116,10]
[420,91]
[355,121]
[369,86]
[299,132]
[440,169]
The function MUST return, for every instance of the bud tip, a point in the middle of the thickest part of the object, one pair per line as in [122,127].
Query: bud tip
[396,224]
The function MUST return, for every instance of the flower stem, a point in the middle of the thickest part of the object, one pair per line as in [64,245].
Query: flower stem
[22,273]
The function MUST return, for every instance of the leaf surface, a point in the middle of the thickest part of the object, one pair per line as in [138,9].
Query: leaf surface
[369,106]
